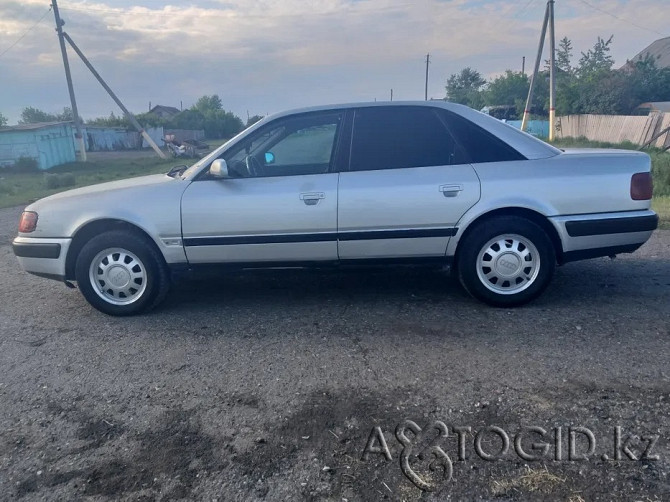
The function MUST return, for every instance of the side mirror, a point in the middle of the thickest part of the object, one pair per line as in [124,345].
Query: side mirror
[269,158]
[219,169]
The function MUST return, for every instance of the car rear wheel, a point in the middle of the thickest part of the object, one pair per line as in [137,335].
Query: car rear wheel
[121,273]
[506,261]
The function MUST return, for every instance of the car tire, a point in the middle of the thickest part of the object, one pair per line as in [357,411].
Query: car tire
[506,261]
[121,273]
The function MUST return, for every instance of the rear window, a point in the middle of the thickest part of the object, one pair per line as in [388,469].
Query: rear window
[479,145]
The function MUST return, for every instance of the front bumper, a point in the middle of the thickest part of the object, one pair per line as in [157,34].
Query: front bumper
[43,257]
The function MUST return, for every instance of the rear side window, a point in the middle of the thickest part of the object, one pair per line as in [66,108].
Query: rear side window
[401,137]
[479,145]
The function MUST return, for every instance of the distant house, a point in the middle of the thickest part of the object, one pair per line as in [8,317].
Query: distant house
[659,50]
[652,106]
[49,143]
[164,112]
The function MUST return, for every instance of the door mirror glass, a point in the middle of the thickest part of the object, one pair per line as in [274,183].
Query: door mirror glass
[269,158]
[219,169]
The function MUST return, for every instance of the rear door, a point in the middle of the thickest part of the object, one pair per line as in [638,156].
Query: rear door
[407,186]
[280,205]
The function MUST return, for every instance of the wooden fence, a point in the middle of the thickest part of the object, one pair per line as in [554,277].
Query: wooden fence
[617,128]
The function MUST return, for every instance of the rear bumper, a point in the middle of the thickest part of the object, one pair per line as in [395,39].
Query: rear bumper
[618,225]
[603,234]
[43,257]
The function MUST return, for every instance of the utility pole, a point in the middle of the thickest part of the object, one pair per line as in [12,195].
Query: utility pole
[129,115]
[552,73]
[391,94]
[427,63]
[526,111]
[523,65]
[73,102]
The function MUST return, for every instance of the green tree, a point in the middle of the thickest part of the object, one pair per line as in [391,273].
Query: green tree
[253,119]
[567,92]
[65,115]
[466,87]
[511,89]
[597,60]
[112,120]
[31,115]
[3,120]
[648,81]
[221,124]
[188,119]
[564,56]
[508,89]
[208,103]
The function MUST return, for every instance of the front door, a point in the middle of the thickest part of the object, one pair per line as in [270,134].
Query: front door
[280,203]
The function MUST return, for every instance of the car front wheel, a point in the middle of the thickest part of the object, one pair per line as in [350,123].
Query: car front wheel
[506,261]
[121,273]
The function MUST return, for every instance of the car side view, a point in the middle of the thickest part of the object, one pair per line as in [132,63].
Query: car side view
[371,183]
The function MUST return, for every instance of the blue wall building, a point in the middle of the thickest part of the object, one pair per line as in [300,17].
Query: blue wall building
[51,144]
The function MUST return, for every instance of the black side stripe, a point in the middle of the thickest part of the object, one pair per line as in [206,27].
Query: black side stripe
[321,237]
[260,239]
[611,226]
[396,234]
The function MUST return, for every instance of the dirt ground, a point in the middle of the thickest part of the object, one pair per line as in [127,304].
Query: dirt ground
[340,386]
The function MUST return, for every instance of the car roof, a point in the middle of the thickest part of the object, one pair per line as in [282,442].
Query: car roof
[529,146]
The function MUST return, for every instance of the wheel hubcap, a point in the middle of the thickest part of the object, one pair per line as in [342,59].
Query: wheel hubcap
[118,276]
[508,264]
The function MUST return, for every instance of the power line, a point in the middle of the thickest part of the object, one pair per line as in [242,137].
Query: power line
[622,19]
[523,9]
[25,33]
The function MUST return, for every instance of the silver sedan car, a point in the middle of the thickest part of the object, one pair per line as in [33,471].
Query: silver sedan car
[372,183]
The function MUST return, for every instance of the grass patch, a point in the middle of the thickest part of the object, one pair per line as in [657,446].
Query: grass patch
[587,143]
[662,207]
[24,187]
[532,481]
[57,180]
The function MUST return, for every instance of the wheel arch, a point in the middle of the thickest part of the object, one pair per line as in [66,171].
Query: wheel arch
[531,215]
[97,227]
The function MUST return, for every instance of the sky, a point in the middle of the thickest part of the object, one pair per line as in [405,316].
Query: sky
[265,56]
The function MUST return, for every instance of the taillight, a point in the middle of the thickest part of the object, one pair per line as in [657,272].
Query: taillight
[641,186]
[28,222]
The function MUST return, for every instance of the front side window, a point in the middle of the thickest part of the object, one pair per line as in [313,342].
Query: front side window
[287,147]
[398,137]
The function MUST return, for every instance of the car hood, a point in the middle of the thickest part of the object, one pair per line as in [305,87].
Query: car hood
[93,190]
[151,203]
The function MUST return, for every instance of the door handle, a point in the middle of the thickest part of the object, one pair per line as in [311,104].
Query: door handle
[451,190]
[312,198]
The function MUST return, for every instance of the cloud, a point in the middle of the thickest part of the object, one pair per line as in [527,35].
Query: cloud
[267,55]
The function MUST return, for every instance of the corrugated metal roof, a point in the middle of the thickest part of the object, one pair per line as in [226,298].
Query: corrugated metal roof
[32,127]
[660,106]
[659,50]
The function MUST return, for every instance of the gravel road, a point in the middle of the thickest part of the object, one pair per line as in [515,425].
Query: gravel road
[340,386]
